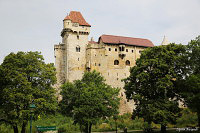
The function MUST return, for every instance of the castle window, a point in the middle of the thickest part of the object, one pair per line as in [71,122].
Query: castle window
[121,48]
[127,62]
[109,49]
[116,62]
[115,49]
[78,37]
[95,64]
[78,49]
[126,50]
[99,64]
[132,51]
[78,59]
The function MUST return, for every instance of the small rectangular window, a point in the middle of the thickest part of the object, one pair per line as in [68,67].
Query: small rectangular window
[109,49]
[132,51]
[126,50]
[115,49]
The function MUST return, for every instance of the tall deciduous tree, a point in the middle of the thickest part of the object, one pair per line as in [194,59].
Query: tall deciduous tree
[151,84]
[89,99]
[190,85]
[25,79]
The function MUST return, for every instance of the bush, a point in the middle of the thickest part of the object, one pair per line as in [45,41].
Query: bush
[122,121]
[187,119]
[62,123]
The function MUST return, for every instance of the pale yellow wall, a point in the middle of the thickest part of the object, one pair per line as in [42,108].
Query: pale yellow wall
[59,51]
[100,54]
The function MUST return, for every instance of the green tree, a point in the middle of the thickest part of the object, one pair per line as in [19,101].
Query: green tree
[89,99]
[25,79]
[190,85]
[151,84]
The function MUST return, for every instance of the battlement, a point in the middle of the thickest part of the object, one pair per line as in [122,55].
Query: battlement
[59,46]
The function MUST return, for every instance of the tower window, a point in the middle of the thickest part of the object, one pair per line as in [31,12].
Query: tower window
[116,62]
[78,37]
[78,49]
[78,59]
[109,49]
[127,62]
[126,50]
[132,51]
[115,49]
[99,64]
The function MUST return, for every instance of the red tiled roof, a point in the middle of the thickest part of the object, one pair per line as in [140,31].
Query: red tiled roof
[92,42]
[110,39]
[76,17]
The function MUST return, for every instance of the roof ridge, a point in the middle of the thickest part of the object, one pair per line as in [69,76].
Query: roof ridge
[113,39]
[125,37]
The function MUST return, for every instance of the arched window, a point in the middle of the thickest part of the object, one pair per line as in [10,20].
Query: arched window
[78,49]
[116,62]
[128,63]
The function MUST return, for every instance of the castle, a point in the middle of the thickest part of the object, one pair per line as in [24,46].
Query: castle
[112,56]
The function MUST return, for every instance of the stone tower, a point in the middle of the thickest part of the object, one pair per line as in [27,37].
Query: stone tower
[165,41]
[70,58]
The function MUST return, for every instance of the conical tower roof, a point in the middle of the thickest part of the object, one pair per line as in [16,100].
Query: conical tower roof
[165,41]
[76,17]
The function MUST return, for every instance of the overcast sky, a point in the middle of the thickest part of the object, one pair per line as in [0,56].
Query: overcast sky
[35,25]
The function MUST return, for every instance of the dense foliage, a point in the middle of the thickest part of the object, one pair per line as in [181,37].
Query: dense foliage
[151,84]
[25,79]
[190,85]
[88,100]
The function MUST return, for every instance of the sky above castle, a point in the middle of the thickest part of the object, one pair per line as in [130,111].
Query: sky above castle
[35,25]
